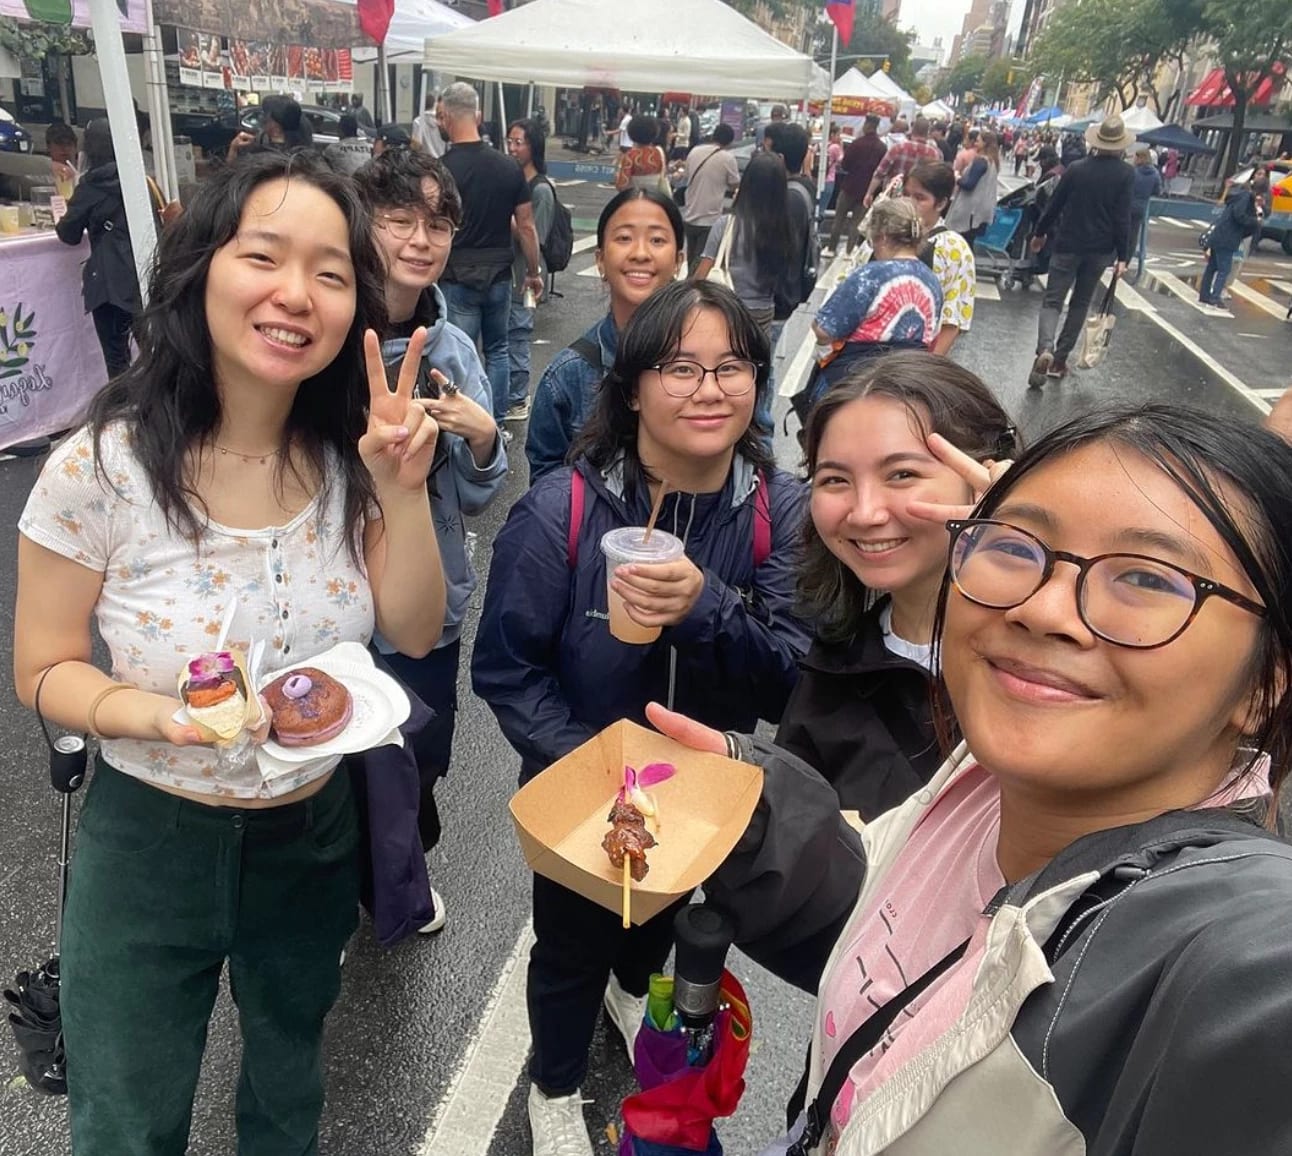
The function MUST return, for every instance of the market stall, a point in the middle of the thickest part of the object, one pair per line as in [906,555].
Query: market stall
[50,362]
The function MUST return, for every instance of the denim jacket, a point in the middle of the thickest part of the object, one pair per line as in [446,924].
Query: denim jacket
[564,399]
[460,486]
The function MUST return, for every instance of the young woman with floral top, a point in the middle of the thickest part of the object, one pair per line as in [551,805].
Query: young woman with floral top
[245,463]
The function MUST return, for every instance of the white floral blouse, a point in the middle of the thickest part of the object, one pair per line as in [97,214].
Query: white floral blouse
[164,599]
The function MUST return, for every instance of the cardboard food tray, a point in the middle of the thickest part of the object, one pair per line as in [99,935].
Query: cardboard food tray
[560,817]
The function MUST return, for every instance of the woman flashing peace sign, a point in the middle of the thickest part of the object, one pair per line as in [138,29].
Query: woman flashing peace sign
[239,463]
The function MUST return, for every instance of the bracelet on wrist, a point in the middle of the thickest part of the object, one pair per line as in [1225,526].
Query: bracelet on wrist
[91,718]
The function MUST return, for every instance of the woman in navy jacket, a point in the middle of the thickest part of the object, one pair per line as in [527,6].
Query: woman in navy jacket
[548,667]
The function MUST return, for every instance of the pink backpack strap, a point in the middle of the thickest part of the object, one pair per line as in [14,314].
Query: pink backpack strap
[576,518]
[762,523]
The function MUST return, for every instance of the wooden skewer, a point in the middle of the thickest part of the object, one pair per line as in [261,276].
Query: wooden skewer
[628,894]
[654,514]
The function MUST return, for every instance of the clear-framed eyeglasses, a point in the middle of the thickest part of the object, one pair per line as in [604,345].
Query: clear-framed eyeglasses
[402,226]
[1129,600]
[682,378]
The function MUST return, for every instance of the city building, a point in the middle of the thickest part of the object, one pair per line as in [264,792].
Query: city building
[793,27]
[891,10]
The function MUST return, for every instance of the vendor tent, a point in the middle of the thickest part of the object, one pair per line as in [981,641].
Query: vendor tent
[1172,136]
[854,82]
[412,23]
[893,91]
[1141,119]
[1046,115]
[643,46]
[938,111]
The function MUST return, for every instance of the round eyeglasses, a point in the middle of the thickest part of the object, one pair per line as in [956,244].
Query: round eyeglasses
[682,378]
[402,226]
[1126,599]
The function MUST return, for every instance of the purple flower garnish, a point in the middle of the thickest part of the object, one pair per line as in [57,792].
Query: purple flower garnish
[297,686]
[211,668]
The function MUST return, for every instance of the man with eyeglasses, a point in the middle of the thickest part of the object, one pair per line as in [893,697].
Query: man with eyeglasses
[477,280]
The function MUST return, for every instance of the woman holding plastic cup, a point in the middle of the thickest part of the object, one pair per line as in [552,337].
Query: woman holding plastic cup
[708,626]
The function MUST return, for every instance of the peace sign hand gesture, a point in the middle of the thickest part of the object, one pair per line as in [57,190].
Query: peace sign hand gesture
[980,476]
[399,444]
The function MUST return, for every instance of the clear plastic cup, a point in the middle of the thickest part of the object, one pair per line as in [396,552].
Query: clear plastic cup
[626,545]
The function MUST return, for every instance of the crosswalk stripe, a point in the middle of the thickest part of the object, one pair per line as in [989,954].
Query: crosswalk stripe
[1282,287]
[1179,224]
[1130,298]
[1200,225]
[1186,293]
[987,291]
[1257,298]
[583,244]
[569,184]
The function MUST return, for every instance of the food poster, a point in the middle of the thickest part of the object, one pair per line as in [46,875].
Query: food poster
[212,64]
[240,58]
[190,57]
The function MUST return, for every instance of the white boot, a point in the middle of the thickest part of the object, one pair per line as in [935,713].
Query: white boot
[557,1124]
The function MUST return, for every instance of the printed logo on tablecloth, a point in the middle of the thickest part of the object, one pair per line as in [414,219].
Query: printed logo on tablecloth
[20,374]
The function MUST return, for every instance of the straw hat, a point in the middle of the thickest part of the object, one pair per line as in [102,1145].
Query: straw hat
[1110,135]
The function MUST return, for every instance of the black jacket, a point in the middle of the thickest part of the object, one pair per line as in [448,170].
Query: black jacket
[97,208]
[1092,208]
[863,717]
[1237,221]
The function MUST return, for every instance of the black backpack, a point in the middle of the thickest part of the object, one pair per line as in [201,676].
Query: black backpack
[559,246]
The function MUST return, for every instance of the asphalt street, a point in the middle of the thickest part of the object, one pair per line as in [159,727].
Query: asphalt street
[426,1047]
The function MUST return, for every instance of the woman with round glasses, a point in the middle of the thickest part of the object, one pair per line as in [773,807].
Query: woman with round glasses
[1075,939]
[416,209]
[676,408]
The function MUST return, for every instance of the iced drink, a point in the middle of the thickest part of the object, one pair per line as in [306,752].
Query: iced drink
[625,546]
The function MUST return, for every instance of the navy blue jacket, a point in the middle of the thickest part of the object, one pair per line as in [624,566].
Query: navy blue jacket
[1238,220]
[545,661]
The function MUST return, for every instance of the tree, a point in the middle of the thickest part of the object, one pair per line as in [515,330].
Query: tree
[1117,45]
[873,39]
[1004,82]
[966,74]
[1252,41]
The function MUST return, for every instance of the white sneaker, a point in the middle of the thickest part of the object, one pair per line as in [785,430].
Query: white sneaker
[438,920]
[557,1124]
[626,1013]
[827,252]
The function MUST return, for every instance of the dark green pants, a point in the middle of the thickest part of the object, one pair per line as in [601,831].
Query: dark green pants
[163,892]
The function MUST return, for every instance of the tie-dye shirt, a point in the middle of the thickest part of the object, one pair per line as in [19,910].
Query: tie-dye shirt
[890,302]
[164,599]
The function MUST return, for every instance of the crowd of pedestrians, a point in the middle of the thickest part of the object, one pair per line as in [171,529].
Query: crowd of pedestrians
[1008,660]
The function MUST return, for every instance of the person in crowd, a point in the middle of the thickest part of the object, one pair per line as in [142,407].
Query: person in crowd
[682,138]
[63,149]
[882,454]
[1091,213]
[244,470]
[791,143]
[625,140]
[1148,184]
[833,155]
[930,188]
[902,157]
[1072,148]
[1087,888]
[390,138]
[860,160]
[968,151]
[1260,187]
[1239,219]
[898,132]
[109,281]
[780,115]
[1022,146]
[759,249]
[527,144]
[415,210]
[349,154]
[642,165]
[676,408]
[938,134]
[362,113]
[640,248]
[711,173]
[426,128]
[892,302]
[496,204]
[283,128]
[977,189]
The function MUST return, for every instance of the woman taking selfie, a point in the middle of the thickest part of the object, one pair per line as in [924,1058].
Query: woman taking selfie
[1074,940]
[714,628]
[884,452]
[251,469]
[641,244]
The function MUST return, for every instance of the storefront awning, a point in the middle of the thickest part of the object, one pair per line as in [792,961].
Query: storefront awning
[1214,92]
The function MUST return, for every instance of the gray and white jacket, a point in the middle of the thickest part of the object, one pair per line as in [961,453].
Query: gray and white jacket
[1135,999]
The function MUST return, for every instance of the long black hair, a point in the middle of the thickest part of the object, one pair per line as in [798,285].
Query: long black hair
[167,398]
[652,336]
[760,214]
[536,138]
[632,193]
[940,397]
[1240,479]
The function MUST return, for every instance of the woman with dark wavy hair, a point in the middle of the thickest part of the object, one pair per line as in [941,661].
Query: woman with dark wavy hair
[881,461]
[677,407]
[251,471]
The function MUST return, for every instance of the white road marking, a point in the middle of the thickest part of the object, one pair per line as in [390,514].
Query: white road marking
[466,1118]
[1235,383]
[1257,298]
[987,291]
[569,184]
[1282,287]
[1130,298]
[1271,394]
[583,244]
[1179,224]
[590,271]
[1186,293]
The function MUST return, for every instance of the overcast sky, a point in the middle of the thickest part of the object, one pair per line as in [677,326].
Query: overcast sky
[942,18]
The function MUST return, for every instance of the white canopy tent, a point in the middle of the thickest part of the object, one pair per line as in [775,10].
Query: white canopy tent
[1141,118]
[412,23]
[937,110]
[889,88]
[699,46]
[854,82]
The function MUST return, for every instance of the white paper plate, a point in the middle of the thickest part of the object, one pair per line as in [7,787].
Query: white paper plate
[380,705]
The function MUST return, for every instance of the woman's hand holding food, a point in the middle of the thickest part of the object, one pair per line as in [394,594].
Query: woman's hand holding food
[399,445]
[658,593]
